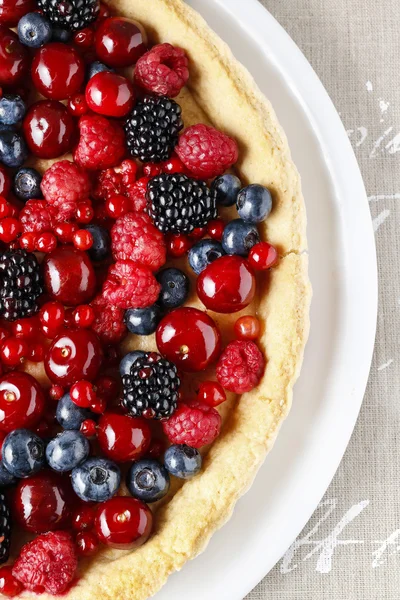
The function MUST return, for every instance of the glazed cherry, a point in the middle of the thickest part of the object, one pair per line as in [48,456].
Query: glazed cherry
[117,206]
[215,229]
[13,351]
[12,10]
[83,517]
[211,393]
[247,328]
[52,316]
[263,256]
[77,105]
[82,239]
[65,232]
[120,42]
[189,338]
[14,58]
[43,501]
[74,356]
[49,129]
[9,586]
[57,71]
[178,244]
[83,315]
[83,394]
[110,94]
[87,543]
[10,229]
[5,186]
[46,242]
[227,285]
[122,437]
[88,428]
[69,276]
[21,401]
[123,522]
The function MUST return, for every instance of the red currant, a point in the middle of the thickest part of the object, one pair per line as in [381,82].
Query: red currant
[83,315]
[52,316]
[110,94]
[247,328]
[58,71]
[215,229]
[178,244]
[36,352]
[83,517]
[28,328]
[84,212]
[4,207]
[99,405]
[27,241]
[211,393]
[88,428]
[120,42]
[56,392]
[65,232]
[83,239]
[14,58]
[151,170]
[84,38]
[9,586]
[117,206]
[189,338]
[123,438]
[49,129]
[9,229]
[87,543]
[74,356]
[123,522]
[46,242]
[198,233]
[21,401]
[173,165]
[13,351]
[263,256]
[77,105]
[69,276]
[83,394]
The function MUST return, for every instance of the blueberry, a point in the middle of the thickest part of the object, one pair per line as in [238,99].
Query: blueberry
[69,415]
[66,451]
[203,253]
[148,480]
[226,189]
[6,127]
[34,30]
[143,321]
[97,67]
[96,480]
[239,237]
[127,362]
[182,461]
[6,479]
[13,150]
[101,243]
[254,203]
[174,287]
[12,109]
[23,453]
[27,184]
[60,35]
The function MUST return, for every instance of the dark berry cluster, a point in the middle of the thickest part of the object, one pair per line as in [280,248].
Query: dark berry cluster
[21,284]
[70,14]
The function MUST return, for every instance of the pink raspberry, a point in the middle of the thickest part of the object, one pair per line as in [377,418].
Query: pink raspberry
[205,151]
[64,184]
[130,285]
[137,194]
[101,143]
[48,563]
[194,424]
[240,366]
[37,216]
[116,181]
[163,70]
[109,321]
[134,237]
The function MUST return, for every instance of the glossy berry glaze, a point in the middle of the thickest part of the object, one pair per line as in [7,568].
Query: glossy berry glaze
[49,129]
[14,58]
[58,71]
[21,401]
[123,522]
[73,356]
[69,276]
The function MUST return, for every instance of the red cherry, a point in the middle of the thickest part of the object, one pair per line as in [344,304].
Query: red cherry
[9,229]
[84,212]
[178,244]
[120,42]
[57,71]
[77,105]
[74,356]
[88,428]
[52,315]
[122,437]
[69,276]
[65,232]
[87,543]
[56,392]
[21,401]
[83,394]
[211,393]
[83,315]
[42,502]
[5,184]
[12,10]
[83,240]
[263,256]
[123,522]
[189,338]
[247,328]
[28,328]
[14,58]
[83,517]
[46,242]
[110,94]
[49,129]
[227,285]
[84,38]
[9,586]
[117,206]
[13,351]
[215,229]
[27,241]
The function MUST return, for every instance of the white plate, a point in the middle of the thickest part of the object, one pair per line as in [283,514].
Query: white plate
[343,272]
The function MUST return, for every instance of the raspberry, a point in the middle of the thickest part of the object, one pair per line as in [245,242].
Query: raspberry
[109,321]
[134,237]
[63,185]
[163,70]
[205,151]
[240,366]
[137,194]
[37,216]
[48,563]
[194,424]
[116,181]
[101,143]
[130,285]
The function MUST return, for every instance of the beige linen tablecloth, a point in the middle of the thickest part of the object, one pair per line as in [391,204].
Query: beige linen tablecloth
[350,549]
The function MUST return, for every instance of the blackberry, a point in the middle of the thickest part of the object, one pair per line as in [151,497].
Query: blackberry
[179,204]
[20,284]
[5,530]
[70,14]
[152,128]
[152,387]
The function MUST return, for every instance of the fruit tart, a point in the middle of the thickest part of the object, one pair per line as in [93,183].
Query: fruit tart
[154,293]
